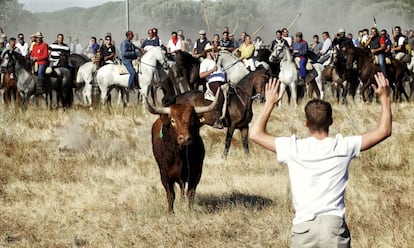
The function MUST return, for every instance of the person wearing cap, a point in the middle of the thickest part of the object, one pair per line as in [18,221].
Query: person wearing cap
[200,44]
[56,49]
[215,77]
[128,53]
[342,42]
[300,50]
[40,55]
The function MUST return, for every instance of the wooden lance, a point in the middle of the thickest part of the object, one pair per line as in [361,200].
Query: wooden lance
[294,21]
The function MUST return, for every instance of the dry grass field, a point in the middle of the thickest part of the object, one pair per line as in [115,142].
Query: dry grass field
[87,178]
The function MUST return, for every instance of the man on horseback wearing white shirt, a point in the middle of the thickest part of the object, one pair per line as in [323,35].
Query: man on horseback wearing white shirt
[215,78]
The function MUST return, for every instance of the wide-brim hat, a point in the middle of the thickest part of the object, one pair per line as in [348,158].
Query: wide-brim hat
[209,48]
[38,35]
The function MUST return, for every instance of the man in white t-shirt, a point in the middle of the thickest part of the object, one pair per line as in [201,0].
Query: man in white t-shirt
[174,43]
[318,166]
[215,77]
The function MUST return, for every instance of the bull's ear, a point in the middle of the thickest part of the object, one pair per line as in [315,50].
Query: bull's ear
[165,120]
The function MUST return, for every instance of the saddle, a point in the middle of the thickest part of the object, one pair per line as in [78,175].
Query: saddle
[209,95]
[309,66]
[387,60]
[122,69]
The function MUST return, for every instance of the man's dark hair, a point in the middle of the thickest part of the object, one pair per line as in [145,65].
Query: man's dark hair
[318,115]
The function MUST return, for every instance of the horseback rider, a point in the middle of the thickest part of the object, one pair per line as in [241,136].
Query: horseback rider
[300,50]
[326,47]
[399,44]
[128,53]
[225,43]
[151,41]
[342,42]
[200,44]
[108,51]
[246,51]
[22,45]
[278,41]
[376,43]
[215,77]
[40,56]
[56,49]
[10,49]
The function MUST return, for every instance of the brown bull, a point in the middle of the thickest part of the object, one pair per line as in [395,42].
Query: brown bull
[178,148]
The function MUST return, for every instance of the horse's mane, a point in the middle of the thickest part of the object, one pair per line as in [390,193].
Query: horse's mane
[21,60]
[79,57]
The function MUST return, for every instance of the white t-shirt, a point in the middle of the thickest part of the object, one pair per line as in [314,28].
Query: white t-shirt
[174,47]
[217,76]
[318,172]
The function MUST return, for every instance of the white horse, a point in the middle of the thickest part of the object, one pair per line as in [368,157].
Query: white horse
[235,69]
[154,70]
[288,74]
[85,75]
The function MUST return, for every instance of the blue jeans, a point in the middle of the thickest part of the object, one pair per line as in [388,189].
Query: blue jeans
[132,73]
[302,67]
[41,71]
[323,58]
[381,63]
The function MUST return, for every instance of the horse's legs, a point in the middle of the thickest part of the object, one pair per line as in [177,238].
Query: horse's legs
[282,89]
[245,135]
[104,94]
[293,89]
[229,136]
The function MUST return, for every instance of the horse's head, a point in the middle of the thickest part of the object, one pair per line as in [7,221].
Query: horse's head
[7,61]
[277,53]
[160,55]
[259,81]
[351,56]
[99,58]
[63,59]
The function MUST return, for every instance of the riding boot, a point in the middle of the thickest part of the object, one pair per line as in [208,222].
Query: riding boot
[39,86]
[218,122]
[136,82]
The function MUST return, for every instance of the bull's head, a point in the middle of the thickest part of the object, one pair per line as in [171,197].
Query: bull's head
[182,118]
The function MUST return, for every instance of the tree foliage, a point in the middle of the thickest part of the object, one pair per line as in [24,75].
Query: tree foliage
[246,15]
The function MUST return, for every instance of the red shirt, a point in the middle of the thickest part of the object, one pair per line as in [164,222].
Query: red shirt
[40,51]
[382,40]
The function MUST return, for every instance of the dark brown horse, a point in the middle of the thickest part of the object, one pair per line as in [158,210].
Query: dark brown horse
[396,71]
[189,66]
[239,106]
[9,84]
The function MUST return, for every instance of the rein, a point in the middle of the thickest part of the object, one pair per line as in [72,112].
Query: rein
[228,67]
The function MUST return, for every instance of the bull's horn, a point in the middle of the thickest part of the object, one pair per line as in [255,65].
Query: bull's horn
[200,110]
[157,110]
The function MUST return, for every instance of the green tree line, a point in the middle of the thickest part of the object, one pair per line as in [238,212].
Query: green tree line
[245,15]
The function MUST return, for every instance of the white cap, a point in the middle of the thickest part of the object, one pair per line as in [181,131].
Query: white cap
[341,30]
